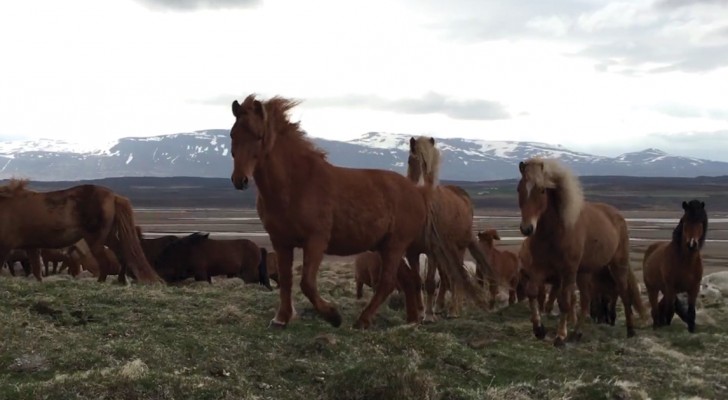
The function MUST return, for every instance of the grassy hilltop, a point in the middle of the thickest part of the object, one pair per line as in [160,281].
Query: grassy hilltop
[69,338]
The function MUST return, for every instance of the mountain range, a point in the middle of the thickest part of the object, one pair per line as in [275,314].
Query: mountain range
[207,154]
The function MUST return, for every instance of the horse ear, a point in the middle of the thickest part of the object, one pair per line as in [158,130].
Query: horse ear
[236,108]
[432,141]
[481,235]
[495,236]
[702,204]
[413,143]
[685,205]
[259,109]
[522,166]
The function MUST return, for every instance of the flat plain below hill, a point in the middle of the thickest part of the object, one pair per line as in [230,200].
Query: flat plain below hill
[76,338]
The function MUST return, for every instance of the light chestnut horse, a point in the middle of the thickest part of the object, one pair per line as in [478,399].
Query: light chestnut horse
[571,236]
[453,212]
[504,264]
[34,220]
[305,202]
[675,267]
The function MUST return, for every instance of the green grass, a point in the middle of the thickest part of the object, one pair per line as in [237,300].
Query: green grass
[80,339]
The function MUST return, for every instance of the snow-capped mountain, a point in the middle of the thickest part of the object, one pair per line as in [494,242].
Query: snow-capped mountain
[207,154]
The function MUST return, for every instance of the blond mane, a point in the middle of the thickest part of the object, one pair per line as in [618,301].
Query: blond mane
[549,173]
[13,188]
[428,158]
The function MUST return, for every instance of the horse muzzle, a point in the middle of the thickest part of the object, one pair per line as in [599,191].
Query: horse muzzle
[527,230]
[240,183]
[693,244]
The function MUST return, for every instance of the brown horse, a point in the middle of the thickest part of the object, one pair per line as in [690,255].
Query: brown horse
[271,260]
[504,265]
[674,267]
[18,256]
[367,268]
[569,235]
[200,257]
[453,213]
[34,220]
[153,247]
[305,202]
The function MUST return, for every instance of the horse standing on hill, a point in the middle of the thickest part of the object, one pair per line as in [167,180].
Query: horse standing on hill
[504,265]
[674,267]
[304,201]
[568,236]
[33,220]
[453,215]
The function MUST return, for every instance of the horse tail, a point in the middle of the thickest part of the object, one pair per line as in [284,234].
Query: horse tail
[443,254]
[263,277]
[634,293]
[482,267]
[130,246]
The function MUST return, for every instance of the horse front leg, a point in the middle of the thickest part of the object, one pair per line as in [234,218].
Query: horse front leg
[413,259]
[286,311]
[533,289]
[35,263]
[4,253]
[391,257]
[313,254]
[689,315]
[585,300]
[430,287]
[567,288]
[457,292]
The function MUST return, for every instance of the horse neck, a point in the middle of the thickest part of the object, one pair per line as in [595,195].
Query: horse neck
[283,169]
[550,224]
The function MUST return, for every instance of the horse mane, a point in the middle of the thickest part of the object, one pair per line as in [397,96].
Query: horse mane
[549,173]
[694,212]
[424,150]
[277,120]
[13,188]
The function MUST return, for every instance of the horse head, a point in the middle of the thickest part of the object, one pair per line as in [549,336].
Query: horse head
[423,163]
[693,225]
[250,138]
[532,197]
[488,237]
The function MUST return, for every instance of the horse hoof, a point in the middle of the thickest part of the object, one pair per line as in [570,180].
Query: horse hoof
[276,324]
[334,319]
[691,328]
[539,331]
[429,319]
[559,342]
[630,332]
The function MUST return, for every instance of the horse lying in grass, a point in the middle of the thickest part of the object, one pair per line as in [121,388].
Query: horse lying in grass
[305,202]
[568,236]
[34,220]
[200,257]
[675,267]
[504,266]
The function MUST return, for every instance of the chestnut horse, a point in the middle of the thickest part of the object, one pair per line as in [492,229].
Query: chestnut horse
[368,267]
[504,264]
[305,202]
[453,211]
[34,220]
[674,267]
[568,236]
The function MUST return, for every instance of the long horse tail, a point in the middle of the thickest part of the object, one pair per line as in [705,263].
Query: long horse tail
[634,293]
[263,277]
[445,256]
[130,246]
[482,267]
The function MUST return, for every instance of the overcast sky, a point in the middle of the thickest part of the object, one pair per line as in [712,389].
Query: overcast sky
[597,76]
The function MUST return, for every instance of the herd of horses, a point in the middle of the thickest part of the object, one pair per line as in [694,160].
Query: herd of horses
[392,223]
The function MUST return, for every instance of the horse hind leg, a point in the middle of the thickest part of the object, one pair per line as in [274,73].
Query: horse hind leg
[430,287]
[35,263]
[313,254]
[286,310]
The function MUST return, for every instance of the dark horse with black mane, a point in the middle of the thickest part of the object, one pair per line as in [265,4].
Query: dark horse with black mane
[200,257]
[676,267]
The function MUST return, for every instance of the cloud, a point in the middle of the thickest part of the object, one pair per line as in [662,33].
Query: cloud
[430,103]
[688,111]
[620,36]
[707,145]
[191,5]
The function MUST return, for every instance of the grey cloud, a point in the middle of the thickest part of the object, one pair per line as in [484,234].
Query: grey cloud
[623,37]
[191,5]
[430,103]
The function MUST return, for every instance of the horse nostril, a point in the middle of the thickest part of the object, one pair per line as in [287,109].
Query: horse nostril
[527,230]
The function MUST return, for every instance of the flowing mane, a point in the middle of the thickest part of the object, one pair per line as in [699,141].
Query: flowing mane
[424,165]
[13,188]
[549,173]
[694,213]
[278,123]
